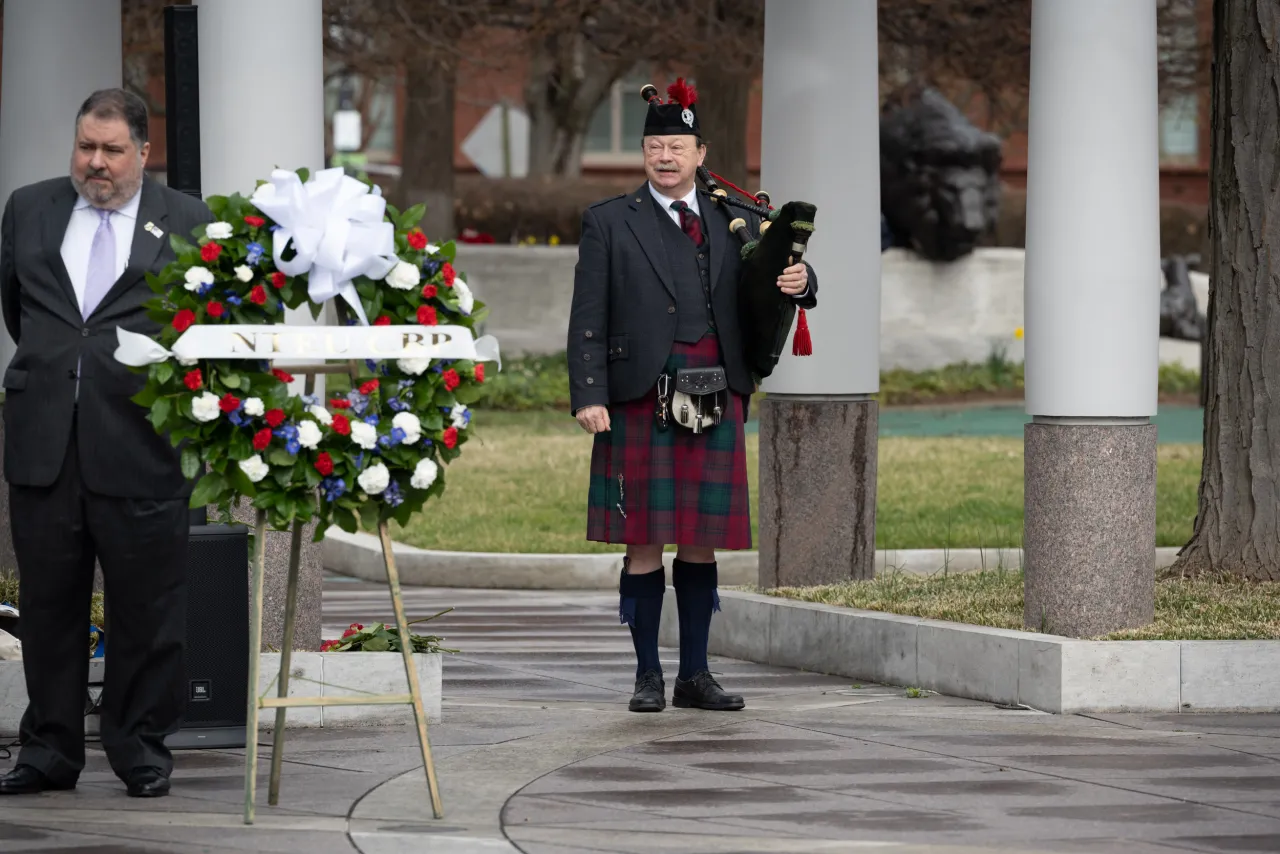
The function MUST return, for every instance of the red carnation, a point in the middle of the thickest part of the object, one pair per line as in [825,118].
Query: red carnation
[261,439]
[183,319]
[449,437]
[341,425]
[275,417]
[255,221]
[210,251]
[281,375]
[324,463]
[277,279]
[429,291]
[258,296]
[214,308]
[479,373]
[369,387]
[339,403]
[451,379]
[384,320]
[229,403]
[193,380]
[417,239]
[449,274]
[354,628]
[427,315]
[329,644]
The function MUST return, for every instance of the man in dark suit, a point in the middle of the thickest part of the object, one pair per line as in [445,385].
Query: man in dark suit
[89,477]
[656,290]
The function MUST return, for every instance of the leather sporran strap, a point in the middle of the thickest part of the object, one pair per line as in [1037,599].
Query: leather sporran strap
[699,401]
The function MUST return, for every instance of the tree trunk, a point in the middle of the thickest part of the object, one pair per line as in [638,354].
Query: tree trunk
[723,101]
[1237,528]
[426,166]
[567,82]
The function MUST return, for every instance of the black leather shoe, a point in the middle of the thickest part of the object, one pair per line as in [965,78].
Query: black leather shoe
[27,780]
[650,695]
[704,692]
[147,783]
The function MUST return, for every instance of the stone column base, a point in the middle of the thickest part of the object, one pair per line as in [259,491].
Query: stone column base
[817,490]
[275,584]
[1090,532]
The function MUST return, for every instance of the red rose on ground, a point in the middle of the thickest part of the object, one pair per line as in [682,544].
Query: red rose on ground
[479,373]
[255,221]
[182,320]
[258,296]
[324,464]
[275,417]
[278,279]
[449,274]
[451,379]
[193,380]
[449,437]
[214,308]
[341,425]
[427,315]
[384,320]
[261,439]
[354,628]
[281,375]
[210,252]
[229,403]
[369,387]
[429,292]
[339,403]
[417,239]
[329,644]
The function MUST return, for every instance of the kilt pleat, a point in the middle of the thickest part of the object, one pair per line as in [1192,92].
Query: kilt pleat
[671,487]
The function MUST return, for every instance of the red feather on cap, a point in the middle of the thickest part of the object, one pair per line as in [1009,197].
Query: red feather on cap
[682,93]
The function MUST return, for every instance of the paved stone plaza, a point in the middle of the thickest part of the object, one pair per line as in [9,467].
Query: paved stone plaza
[538,754]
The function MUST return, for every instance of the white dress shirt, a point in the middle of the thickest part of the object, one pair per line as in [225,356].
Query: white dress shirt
[77,240]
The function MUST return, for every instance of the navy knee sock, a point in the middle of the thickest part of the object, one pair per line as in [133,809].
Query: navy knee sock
[696,600]
[641,609]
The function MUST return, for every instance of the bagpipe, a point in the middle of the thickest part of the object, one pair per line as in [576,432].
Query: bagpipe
[765,313]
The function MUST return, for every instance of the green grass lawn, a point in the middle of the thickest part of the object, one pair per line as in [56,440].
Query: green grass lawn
[521,486]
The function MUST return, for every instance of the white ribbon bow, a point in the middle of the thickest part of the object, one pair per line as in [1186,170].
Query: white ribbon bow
[336,226]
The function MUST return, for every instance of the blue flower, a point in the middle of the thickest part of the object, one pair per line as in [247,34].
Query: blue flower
[333,487]
[397,405]
[311,399]
[392,495]
[372,418]
[233,299]
[372,365]
[255,252]
[290,434]
[205,288]
[359,402]
[430,267]
[403,384]
[237,417]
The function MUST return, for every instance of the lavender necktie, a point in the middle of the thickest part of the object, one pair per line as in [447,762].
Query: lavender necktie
[102,264]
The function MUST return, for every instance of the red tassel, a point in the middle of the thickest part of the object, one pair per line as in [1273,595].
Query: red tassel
[801,344]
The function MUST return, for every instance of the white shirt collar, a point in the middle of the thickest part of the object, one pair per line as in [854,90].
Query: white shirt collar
[691,199]
[129,209]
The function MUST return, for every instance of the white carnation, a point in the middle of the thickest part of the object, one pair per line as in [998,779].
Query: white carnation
[254,468]
[187,362]
[321,414]
[459,415]
[364,434]
[205,407]
[218,230]
[409,423]
[374,479]
[244,274]
[424,474]
[197,276]
[465,300]
[416,362]
[403,276]
[308,434]
[253,406]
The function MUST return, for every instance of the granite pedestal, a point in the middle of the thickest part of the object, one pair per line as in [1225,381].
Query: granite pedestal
[1090,537]
[275,585]
[817,489]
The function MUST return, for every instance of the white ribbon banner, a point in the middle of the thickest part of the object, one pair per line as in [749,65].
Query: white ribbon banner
[311,342]
[335,224]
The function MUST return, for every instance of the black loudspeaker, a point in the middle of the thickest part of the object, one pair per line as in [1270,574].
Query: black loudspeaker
[182,99]
[217,682]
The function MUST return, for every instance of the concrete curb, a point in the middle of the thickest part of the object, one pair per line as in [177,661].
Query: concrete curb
[360,556]
[1045,672]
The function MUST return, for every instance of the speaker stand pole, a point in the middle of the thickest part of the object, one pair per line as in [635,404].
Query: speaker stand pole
[255,660]
[286,654]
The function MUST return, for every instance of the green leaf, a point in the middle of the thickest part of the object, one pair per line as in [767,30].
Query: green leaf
[147,396]
[311,476]
[240,481]
[240,447]
[369,516]
[376,643]
[411,217]
[164,372]
[207,490]
[280,457]
[231,380]
[159,413]
[190,463]
[345,519]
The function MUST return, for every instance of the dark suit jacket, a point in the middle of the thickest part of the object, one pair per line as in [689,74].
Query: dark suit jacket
[120,452]
[623,318]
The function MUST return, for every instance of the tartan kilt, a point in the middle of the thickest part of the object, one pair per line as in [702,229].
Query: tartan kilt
[674,487]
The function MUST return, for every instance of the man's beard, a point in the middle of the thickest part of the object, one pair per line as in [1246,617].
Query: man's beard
[104,195]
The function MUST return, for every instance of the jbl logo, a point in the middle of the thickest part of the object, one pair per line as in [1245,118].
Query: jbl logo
[201,689]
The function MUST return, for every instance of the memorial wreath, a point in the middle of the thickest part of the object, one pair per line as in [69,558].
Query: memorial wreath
[377,451]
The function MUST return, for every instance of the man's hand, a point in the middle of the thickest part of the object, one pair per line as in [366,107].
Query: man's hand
[594,419]
[794,280]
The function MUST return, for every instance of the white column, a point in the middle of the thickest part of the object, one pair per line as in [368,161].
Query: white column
[1092,283]
[820,142]
[55,56]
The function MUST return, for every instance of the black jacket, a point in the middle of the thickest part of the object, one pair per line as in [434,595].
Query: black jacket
[120,452]
[622,322]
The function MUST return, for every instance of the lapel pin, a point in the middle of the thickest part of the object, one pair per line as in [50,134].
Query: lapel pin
[151,227]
